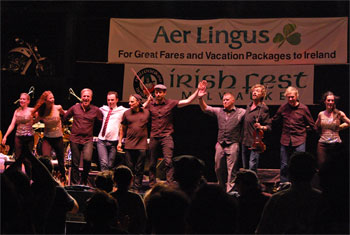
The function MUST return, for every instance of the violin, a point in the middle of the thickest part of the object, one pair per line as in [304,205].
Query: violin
[258,134]
[258,145]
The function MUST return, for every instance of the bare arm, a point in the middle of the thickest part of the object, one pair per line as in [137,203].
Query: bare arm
[75,208]
[202,104]
[318,122]
[10,128]
[60,109]
[183,103]
[122,129]
[346,121]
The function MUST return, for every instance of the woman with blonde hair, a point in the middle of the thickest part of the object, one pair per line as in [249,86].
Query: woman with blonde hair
[46,111]
[24,139]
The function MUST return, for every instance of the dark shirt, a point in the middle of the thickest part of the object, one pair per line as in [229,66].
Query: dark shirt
[83,122]
[229,123]
[261,111]
[295,120]
[136,128]
[162,117]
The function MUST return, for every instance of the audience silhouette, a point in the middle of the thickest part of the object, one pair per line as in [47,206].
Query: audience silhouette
[104,181]
[188,173]
[333,211]
[35,197]
[132,208]
[102,214]
[251,201]
[62,204]
[212,211]
[193,206]
[293,210]
[166,209]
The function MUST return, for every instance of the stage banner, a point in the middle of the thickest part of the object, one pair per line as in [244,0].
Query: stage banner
[229,41]
[182,80]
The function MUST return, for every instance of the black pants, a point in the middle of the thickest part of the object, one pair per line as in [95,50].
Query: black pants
[24,145]
[77,150]
[57,145]
[167,145]
[135,160]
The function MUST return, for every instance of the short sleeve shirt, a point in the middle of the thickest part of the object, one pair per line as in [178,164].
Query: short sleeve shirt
[162,117]
[136,128]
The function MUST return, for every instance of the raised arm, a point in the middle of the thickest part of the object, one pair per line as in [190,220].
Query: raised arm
[201,93]
[202,104]
[149,98]
[75,208]
[183,103]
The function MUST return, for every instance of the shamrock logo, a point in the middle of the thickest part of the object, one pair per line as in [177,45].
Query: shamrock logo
[293,39]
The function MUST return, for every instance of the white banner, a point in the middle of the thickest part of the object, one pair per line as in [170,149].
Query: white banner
[182,81]
[229,41]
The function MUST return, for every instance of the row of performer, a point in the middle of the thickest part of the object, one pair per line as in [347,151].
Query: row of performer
[237,128]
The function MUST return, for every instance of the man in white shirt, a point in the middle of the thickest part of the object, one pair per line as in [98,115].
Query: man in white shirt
[108,136]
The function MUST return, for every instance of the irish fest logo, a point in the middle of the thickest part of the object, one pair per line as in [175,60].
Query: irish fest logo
[149,77]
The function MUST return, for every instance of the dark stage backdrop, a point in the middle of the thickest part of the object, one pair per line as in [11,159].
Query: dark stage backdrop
[74,35]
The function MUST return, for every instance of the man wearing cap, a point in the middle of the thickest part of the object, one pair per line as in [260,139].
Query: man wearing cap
[134,124]
[162,114]
[108,136]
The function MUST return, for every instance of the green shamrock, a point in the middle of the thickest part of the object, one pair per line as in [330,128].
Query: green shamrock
[293,39]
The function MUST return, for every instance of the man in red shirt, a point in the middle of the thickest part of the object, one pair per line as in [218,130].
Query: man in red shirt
[84,115]
[296,119]
[162,112]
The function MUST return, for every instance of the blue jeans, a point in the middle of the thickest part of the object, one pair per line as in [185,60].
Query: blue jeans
[225,164]
[250,158]
[286,152]
[107,151]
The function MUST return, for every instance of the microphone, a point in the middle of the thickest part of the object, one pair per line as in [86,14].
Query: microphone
[31,91]
[73,94]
